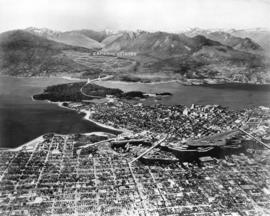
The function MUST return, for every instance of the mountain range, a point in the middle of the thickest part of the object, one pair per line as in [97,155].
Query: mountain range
[195,54]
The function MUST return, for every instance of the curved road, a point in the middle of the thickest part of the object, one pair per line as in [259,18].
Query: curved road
[91,81]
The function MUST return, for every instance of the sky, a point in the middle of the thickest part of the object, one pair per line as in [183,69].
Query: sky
[150,15]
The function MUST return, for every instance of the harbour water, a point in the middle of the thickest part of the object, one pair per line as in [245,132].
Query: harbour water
[234,98]
[22,119]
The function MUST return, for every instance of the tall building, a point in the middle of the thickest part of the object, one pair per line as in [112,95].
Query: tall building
[185,111]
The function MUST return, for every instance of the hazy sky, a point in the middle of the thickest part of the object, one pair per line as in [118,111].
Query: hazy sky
[165,15]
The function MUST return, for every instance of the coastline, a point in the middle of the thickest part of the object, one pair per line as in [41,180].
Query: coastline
[211,83]
[31,143]
[146,83]
[41,77]
[86,117]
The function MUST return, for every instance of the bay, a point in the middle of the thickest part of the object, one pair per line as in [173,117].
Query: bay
[22,119]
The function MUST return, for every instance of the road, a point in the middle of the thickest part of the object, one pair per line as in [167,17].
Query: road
[45,162]
[253,137]
[91,81]
[148,150]
[256,139]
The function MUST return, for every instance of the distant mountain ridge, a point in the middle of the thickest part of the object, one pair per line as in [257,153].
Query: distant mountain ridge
[194,54]
[238,43]
[84,38]
[160,44]
[261,36]
[243,40]
[191,57]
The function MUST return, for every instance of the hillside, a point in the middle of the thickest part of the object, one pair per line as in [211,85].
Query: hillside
[86,39]
[77,39]
[158,44]
[159,55]
[261,36]
[214,62]
[172,56]
[239,43]
[98,36]
[26,54]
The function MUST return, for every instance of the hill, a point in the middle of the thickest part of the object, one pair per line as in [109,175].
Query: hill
[158,44]
[238,43]
[84,38]
[159,55]
[175,56]
[98,36]
[26,54]
[261,36]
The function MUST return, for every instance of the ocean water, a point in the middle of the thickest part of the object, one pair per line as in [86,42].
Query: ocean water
[22,119]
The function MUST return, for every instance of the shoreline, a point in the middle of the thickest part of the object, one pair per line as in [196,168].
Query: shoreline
[187,83]
[25,145]
[86,117]
[42,77]
[150,83]
[32,143]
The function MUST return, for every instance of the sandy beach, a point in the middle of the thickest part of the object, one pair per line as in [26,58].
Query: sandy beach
[29,145]
[88,118]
